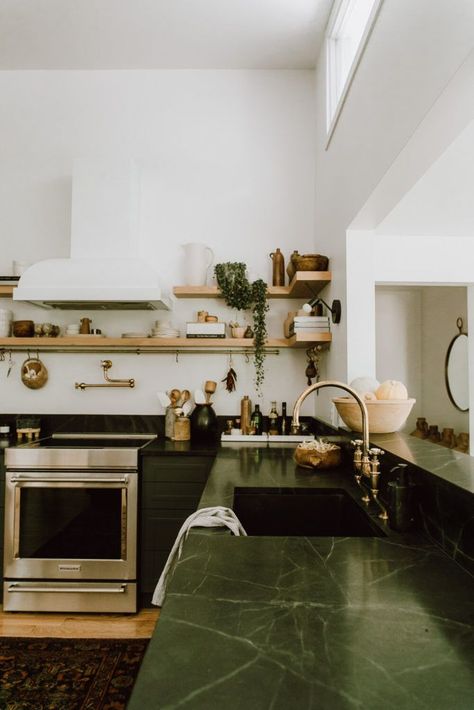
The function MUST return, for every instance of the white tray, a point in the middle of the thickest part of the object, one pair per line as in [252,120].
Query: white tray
[266,438]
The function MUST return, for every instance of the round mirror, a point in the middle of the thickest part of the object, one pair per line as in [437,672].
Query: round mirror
[456,370]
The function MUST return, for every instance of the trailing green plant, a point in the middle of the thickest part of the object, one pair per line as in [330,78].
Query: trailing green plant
[242,295]
[260,308]
[234,284]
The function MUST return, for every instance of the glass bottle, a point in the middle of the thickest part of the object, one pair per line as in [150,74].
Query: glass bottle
[284,423]
[273,420]
[256,421]
[4,436]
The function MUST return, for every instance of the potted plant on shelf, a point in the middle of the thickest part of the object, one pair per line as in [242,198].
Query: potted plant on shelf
[242,295]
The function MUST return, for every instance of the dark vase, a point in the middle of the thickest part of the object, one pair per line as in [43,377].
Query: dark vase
[204,423]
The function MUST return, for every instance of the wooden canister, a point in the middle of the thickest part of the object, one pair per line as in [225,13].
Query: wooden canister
[182,429]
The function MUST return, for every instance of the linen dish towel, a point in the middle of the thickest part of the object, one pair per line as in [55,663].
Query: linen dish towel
[214,517]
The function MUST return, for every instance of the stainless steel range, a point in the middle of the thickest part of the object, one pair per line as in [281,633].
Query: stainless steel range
[71,523]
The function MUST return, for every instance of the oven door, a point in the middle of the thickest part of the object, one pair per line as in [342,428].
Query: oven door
[76,525]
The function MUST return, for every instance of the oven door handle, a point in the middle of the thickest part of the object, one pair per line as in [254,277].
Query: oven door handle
[69,479]
[97,590]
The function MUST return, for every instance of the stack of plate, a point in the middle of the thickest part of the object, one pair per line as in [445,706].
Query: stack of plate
[164,329]
[134,335]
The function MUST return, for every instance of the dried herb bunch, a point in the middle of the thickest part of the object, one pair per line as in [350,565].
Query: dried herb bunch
[242,295]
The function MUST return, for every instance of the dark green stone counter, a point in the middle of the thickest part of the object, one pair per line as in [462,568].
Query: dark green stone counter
[324,623]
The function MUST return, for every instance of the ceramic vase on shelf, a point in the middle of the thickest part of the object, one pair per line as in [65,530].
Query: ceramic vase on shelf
[291,268]
[278,270]
[204,423]
[197,260]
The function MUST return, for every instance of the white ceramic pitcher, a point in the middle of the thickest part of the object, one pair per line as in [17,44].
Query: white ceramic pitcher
[198,259]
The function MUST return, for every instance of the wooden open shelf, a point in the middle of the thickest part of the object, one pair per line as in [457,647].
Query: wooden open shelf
[105,344]
[303,285]
[7,291]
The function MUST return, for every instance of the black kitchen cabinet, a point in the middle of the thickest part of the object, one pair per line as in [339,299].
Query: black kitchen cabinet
[171,487]
[2,516]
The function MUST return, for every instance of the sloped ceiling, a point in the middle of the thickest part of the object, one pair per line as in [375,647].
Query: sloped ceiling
[159,34]
[441,202]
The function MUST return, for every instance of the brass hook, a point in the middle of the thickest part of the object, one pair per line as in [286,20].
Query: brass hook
[177,357]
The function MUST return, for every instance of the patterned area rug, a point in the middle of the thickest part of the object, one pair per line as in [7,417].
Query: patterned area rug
[68,674]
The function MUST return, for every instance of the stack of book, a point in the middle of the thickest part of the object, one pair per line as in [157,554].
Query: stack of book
[205,330]
[309,324]
[9,280]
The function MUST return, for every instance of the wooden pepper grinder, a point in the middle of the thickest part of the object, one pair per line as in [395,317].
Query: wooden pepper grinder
[278,268]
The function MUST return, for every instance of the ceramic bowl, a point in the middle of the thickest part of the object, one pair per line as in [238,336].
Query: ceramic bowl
[23,328]
[311,458]
[311,262]
[238,332]
[385,415]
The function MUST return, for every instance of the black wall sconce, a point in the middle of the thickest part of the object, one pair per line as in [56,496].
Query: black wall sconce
[335,309]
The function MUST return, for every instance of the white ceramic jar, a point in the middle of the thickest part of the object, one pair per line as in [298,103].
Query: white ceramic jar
[197,260]
[5,323]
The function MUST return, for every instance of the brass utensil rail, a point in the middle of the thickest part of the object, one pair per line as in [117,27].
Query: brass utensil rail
[136,350]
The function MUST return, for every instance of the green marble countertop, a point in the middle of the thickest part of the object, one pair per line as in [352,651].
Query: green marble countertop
[451,466]
[298,622]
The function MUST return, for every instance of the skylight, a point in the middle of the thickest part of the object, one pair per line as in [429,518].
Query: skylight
[348,31]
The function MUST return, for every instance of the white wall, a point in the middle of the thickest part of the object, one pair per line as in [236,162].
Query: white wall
[441,307]
[226,158]
[399,342]
[427,261]
[428,238]
[440,203]
[414,60]
[414,327]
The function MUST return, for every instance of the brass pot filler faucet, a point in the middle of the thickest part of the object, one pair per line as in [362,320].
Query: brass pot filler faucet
[366,460]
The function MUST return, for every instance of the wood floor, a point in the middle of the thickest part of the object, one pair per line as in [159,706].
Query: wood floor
[128,626]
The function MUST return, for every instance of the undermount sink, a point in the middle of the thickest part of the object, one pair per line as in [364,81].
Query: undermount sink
[309,512]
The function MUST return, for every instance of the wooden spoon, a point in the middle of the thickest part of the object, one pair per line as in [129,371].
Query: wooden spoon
[175,396]
[209,388]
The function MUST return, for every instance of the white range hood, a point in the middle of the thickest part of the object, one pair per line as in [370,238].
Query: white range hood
[105,270]
[91,284]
